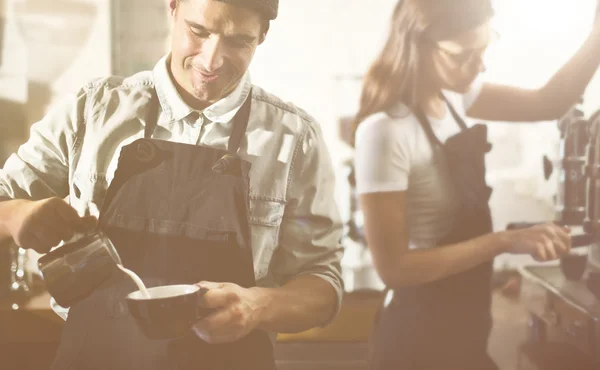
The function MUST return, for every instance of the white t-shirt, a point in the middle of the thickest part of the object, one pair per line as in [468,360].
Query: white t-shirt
[393,153]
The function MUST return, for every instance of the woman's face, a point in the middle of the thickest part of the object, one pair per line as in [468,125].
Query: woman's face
[457,62]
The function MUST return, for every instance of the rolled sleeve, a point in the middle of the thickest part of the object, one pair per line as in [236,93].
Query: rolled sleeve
[40,167]
[311,228]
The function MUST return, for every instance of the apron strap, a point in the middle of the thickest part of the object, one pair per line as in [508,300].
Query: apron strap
[424,121]
[457,117]
[240,124]
[426,125]
[240,121]
[152,118]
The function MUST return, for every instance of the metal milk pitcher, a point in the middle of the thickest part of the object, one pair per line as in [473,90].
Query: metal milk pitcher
[76,269]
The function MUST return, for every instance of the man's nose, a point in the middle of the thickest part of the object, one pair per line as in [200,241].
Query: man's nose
[212,54]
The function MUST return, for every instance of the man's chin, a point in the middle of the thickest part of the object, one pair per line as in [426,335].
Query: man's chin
[205,95]
[211,92]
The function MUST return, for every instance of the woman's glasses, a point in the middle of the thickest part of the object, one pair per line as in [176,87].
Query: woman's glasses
[466,57]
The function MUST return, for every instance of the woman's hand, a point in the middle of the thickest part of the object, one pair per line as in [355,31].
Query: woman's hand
[544,242]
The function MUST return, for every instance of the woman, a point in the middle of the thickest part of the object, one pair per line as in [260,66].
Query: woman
[421,178]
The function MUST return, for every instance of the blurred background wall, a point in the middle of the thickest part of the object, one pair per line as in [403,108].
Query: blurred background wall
[315,55]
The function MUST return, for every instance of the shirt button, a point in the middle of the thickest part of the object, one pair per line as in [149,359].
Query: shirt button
[200,120]
[193,119]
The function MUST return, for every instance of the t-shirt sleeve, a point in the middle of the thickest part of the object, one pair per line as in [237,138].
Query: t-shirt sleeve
[382,155]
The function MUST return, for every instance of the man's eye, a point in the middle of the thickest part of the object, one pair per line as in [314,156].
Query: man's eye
[238,43]
[200,33]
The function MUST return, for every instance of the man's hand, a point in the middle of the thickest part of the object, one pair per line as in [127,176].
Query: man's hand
[41,225]
[237,311]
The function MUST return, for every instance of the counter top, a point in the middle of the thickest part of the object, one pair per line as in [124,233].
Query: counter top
[575,292]
[353,323]
[35,321]
[565,310]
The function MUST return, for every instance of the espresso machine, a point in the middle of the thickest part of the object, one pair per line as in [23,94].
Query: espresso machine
[592,222]
[563,301]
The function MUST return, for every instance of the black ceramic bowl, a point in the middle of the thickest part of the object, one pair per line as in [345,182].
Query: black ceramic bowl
[573,265]
[170,311]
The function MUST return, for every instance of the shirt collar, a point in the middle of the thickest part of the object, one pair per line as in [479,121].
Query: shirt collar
[176,109]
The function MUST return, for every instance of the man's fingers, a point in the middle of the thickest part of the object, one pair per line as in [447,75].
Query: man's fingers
[216,298]
[217,328]
[31,241]
[48,233]
[88,223]
[65,230]
[71,221]
[213,322]
[67,213]
[209,285]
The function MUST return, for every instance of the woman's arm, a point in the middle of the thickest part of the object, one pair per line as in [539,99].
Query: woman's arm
[552,101]
[387,237]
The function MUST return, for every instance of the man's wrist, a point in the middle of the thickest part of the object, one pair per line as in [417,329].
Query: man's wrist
[263,298]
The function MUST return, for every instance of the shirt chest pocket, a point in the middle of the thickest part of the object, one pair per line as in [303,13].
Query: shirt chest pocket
[265,218]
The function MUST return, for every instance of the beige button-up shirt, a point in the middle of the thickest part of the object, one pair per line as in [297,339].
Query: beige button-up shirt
[295,227]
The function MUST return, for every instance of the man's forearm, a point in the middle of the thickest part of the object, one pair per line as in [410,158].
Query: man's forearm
[303,303]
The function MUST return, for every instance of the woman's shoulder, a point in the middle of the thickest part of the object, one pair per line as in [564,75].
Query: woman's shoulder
[384,138]
[394,121]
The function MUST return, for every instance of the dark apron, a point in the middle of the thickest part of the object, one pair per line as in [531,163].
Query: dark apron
[177,214]
[446,324]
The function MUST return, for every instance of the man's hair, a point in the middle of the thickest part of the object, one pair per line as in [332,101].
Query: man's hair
[265,23]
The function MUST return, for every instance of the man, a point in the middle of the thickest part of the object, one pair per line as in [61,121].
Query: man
[82,151]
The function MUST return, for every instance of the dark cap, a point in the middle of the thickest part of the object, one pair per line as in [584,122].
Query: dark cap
[268,8]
